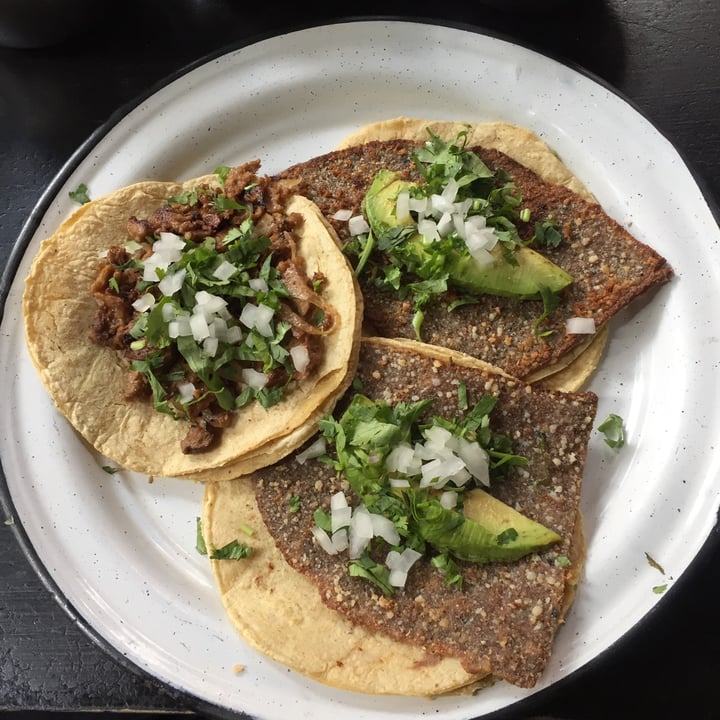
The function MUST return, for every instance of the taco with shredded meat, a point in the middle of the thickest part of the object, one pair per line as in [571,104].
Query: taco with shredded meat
[477,237]
[186,327]
[427,540]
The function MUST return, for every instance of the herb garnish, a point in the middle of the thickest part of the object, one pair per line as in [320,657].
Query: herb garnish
[459,233]
[374,442]
[613,429]
[80,194]
[233,550]
[211,330]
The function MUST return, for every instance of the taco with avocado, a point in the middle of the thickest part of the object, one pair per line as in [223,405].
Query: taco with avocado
[479,238]
[185,327]
[427,540]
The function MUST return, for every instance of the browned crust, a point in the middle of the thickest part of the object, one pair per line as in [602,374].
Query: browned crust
[508,614]
[610,267]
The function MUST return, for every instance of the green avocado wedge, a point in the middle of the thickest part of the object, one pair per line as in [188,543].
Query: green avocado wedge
[487,531]
[522,273]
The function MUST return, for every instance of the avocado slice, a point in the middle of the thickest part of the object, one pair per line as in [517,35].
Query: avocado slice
[487,531]
[525,278]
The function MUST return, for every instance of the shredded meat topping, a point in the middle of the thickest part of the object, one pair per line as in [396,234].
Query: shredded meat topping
[117,286]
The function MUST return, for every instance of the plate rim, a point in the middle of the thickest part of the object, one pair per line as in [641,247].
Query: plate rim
[711,543]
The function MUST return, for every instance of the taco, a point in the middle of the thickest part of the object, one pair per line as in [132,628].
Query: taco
[466,574]
[184,327]
[554,267]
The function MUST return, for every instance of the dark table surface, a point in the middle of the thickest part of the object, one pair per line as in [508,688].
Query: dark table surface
[663,55]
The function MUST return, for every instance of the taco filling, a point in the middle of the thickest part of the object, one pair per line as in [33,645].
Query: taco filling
[478,238]
[210,305]
[197,327]
[432,526]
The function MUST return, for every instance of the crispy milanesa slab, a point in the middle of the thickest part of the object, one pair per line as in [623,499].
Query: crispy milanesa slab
[609,265]
[507,615]
[86,381]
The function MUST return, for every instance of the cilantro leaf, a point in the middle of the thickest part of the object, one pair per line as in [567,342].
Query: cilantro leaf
[80,194]
[614,430]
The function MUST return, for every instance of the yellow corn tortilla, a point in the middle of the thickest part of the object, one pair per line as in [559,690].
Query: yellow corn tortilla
[280,612]
[86,380]
[527,148]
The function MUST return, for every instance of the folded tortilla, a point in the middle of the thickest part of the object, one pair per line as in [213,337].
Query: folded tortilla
[297,604]
[86,380]
[610,267]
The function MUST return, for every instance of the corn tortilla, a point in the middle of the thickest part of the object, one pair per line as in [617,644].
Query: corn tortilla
[86,380]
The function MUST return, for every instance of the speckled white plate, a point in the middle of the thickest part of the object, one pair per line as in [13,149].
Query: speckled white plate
[121,552]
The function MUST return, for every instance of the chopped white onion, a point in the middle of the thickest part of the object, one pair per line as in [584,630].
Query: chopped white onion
[445,224]
[324,540]
[180,327]
[437,472]
[338,500]
[399,565]
[427,227]
[208,304]
[476,459]
[199,327]
[340,540]
[450,190]
[360,532]
[385,528]
[258,284]
[449,499]
[258,317]
[210,345]
[316,449]
[233,334]
[144,302]
[342,215]
[254,378]
[340,517]
[357,225]
[224,271]
[402,560]
[397,578]
[580,326]
[402,459]
[186,391]
[172,282]
[399,482]
[300,357]
[440,204]
[169,312]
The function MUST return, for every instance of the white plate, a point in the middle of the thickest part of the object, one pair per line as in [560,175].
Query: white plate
[122,551]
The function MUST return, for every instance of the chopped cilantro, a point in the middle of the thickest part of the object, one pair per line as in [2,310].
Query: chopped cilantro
[80,194]
[234,550]
[199,539]
[613,429]
[462,396]
[294,503]
[660,589]
[423,255]
[449,568]
[375,572]
[110,470]
[364,438]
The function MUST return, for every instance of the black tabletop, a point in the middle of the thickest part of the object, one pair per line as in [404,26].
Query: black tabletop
[58,85]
